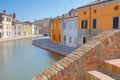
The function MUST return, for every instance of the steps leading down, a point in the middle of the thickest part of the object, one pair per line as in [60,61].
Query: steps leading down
[97,75]
[110,70]
[112,66]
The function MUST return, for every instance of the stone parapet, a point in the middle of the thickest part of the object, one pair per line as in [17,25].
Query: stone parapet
[87,57]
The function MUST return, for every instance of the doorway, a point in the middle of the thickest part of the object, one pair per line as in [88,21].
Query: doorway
[84,40]
[0,35]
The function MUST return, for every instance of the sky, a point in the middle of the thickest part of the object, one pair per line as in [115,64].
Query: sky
[31,10]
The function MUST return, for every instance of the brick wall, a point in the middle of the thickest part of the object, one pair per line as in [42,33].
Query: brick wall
[87,57]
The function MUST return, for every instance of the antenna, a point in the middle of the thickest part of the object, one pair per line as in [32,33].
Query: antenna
[71,3]
[57,7]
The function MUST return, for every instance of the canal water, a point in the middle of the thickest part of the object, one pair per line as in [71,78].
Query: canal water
[20,60]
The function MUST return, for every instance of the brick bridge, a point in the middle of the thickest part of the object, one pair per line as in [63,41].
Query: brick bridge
[96,60]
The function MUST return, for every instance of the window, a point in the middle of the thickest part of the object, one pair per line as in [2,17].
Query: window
[116,8]
[84,13]
[0,26]
[59,26]
[84,24]
[64,38]
[59,37]
[94,24]
[3,33]
[70,25]
[54,37]
[3,19]
[7,33]
[94,11]
[70,39]
[63,25]
[115,22]
[54,26]
[0,35]
[7,19]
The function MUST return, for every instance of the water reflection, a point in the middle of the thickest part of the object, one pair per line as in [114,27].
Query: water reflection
[20,60]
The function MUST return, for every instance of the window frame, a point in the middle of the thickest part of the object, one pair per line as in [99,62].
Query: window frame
[94,25]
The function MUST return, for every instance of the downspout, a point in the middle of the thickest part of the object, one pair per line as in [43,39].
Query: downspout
[90,19]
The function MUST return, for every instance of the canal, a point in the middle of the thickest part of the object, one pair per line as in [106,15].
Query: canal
[20,60]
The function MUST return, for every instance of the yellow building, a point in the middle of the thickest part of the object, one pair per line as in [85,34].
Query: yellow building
[28,29]
[100,14]
[55,30]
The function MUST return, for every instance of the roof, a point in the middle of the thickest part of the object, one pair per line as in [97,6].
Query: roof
[28,22]
[72,10]
[96,2]
[5,15]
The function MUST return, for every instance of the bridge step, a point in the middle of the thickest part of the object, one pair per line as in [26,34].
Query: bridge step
[97,75]
[112,66]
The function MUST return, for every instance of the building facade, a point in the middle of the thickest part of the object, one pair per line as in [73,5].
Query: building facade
[5,25]
[55,30]
[36,30]
[70,29]
[44,25]
[19,30]
[29,28]
[98,16]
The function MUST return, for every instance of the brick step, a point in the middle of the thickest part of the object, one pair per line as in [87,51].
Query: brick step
[98,75]
[112,66]
[116,77]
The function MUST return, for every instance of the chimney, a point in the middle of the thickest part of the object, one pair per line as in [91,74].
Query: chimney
[4,12]
[99,0]
[63,16]
[14,15]
[11,15]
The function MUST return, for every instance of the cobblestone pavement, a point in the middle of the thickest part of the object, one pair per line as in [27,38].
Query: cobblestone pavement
[47,43]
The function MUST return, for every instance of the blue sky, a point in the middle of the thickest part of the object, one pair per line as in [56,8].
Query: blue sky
[38,9]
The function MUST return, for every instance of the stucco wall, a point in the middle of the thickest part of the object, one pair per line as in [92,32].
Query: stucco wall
[69,29]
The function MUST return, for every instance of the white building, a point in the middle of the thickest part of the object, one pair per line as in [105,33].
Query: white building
[6,25]
[19,30]
[36,30]
[70,30]
[0,30]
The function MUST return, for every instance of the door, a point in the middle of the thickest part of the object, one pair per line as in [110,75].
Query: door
[84,40]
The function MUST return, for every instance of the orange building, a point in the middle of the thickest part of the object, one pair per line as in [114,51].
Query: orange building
[55,30]
[100,14]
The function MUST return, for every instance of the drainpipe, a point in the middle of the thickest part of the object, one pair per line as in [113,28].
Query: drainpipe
[50,34]
[90,19]
[62,27]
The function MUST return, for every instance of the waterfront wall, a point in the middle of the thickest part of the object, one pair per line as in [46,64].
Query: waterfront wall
[50,49]
[16,38]
[87,57]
